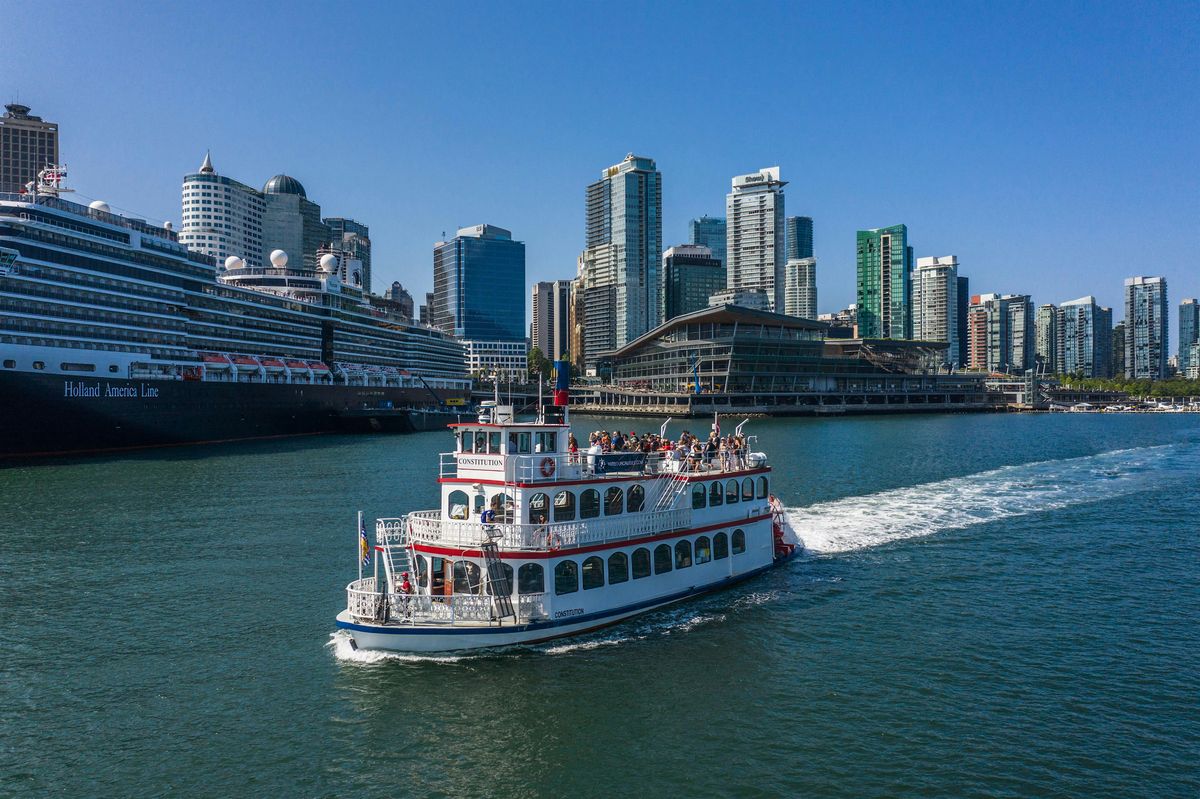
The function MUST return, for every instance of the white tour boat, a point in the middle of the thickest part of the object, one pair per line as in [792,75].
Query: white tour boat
[533,542]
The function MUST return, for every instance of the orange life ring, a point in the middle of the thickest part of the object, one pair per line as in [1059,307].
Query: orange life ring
[547,467]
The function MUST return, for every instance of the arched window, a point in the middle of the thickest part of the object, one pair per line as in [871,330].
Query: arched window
[539,509]
[731,492]
[683,554]
[508,582]
[564,506]
[698,496]
[422,570]
[762,487]
[593,573]
[662,559]
[618,568]
[589,504]
[466,577]
[747,489]
[641,563]
[636,498]
[703,552]
[612,501]
[739,541]
[458,506]
[566,577]
[439,574]
[531,579]
[720,546]
[715,497]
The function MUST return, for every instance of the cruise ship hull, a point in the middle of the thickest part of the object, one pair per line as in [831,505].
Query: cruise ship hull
[56,414]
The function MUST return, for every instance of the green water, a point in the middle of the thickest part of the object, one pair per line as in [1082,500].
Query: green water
[991,606]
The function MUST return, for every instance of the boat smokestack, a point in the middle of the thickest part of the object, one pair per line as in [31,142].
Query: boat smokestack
[562,384]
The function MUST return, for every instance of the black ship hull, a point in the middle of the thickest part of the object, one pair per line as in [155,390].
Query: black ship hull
[58,414]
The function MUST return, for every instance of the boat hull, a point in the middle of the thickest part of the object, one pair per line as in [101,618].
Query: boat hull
[57,414]
[444,638]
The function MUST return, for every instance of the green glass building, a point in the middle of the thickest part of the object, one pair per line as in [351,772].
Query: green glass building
[885,264]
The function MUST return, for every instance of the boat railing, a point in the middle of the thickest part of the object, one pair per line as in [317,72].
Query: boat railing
[534,468]
[429,528]
[367,604]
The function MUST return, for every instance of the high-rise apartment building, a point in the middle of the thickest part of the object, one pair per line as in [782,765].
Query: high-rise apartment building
[479,296]
[709,231]
[964,302]
[1086,338]
[1189,333]
[1146,328]
[403,298]
[292,222]
[1116,359]
[27,145]
[623,244]
[222,217]
[354,239]
[799,234]
[755,234]
[800,287]
[884,262]
[691,274]
[935,303]
[550,330]
[1046,356]
[1001,332]
[426,310]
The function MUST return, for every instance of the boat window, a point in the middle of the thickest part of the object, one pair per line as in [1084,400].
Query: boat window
[494,442]
[593,573]
[467,445]
[503,505]
[39,364]
[731,492]
[618,568]
[662,559]
[539,509]
[747,489]
[531,579]
[703,553]
[508,582]
[720,546]
[683,554]
[438,573]
[422,570]
[564,506]
[77,367]
[566,577]
[641,563]
[612,501]
[762,488]
[546,441]
[698,496]
[466,577]
[715,496]
[479,498]
[112,367]
[739,541]
[458,505]
[10,364]
[523,443]
[637,498]
[589,504]
[480,441]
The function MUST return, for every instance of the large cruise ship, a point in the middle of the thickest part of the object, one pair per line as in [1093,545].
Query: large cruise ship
[114,335]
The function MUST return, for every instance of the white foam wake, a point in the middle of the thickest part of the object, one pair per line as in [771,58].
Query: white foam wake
[866,521]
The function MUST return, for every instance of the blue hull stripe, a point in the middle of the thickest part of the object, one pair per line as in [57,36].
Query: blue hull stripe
[572,620]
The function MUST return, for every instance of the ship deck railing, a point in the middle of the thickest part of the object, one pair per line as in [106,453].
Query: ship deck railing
[366,603]
[527,469]
[427,527]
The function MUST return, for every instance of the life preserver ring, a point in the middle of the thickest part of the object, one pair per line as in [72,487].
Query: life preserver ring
[547,467]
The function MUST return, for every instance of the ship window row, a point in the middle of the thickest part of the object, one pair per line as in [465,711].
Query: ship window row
[107,286]
[161,352]
[54,328]
[718,493]
[88,314]
[443,576]
[73,258]
[58,222]
[82,296]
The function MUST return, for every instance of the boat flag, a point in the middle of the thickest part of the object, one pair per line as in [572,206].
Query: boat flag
[562,384]
[716,425]
[364,550]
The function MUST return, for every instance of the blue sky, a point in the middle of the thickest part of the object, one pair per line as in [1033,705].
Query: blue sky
[1052,146]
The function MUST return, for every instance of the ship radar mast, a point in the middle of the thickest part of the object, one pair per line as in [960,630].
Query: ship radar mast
[49,181]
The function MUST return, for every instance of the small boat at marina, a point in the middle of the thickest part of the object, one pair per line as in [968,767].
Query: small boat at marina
[533,541]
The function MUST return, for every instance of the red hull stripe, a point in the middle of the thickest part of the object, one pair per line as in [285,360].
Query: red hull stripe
[698,478]
[429,549]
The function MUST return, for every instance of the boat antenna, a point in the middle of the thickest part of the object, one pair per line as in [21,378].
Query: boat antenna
[540,418]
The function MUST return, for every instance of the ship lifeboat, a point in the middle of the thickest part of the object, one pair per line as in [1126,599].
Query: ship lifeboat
[317,366]
[244,363]
[214,360]
[301,365]
[273,364]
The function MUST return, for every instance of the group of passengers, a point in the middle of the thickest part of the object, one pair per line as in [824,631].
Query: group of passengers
[690,452]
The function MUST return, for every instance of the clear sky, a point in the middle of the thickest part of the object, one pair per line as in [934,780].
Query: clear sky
[1053,147]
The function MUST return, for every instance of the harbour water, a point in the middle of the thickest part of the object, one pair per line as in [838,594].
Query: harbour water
[990,606]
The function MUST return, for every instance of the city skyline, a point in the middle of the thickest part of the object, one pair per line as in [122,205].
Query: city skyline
[1067,226]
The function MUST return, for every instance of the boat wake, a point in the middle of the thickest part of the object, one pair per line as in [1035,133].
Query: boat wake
[854,523]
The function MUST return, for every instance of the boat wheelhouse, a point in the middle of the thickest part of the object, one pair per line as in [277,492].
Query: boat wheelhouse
[532,541]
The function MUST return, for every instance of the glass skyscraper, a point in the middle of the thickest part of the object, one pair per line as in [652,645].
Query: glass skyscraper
[709,231]
[1146,328]
[1086,336]
[884,262]
[755,235]
[799,237]
[935,303]
[1189,333]
[690,276]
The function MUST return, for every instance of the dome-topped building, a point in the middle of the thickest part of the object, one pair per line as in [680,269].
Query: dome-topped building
[284,184]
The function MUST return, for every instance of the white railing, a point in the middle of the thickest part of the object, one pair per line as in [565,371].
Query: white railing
[553,467]
[367,604]
[428,527]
